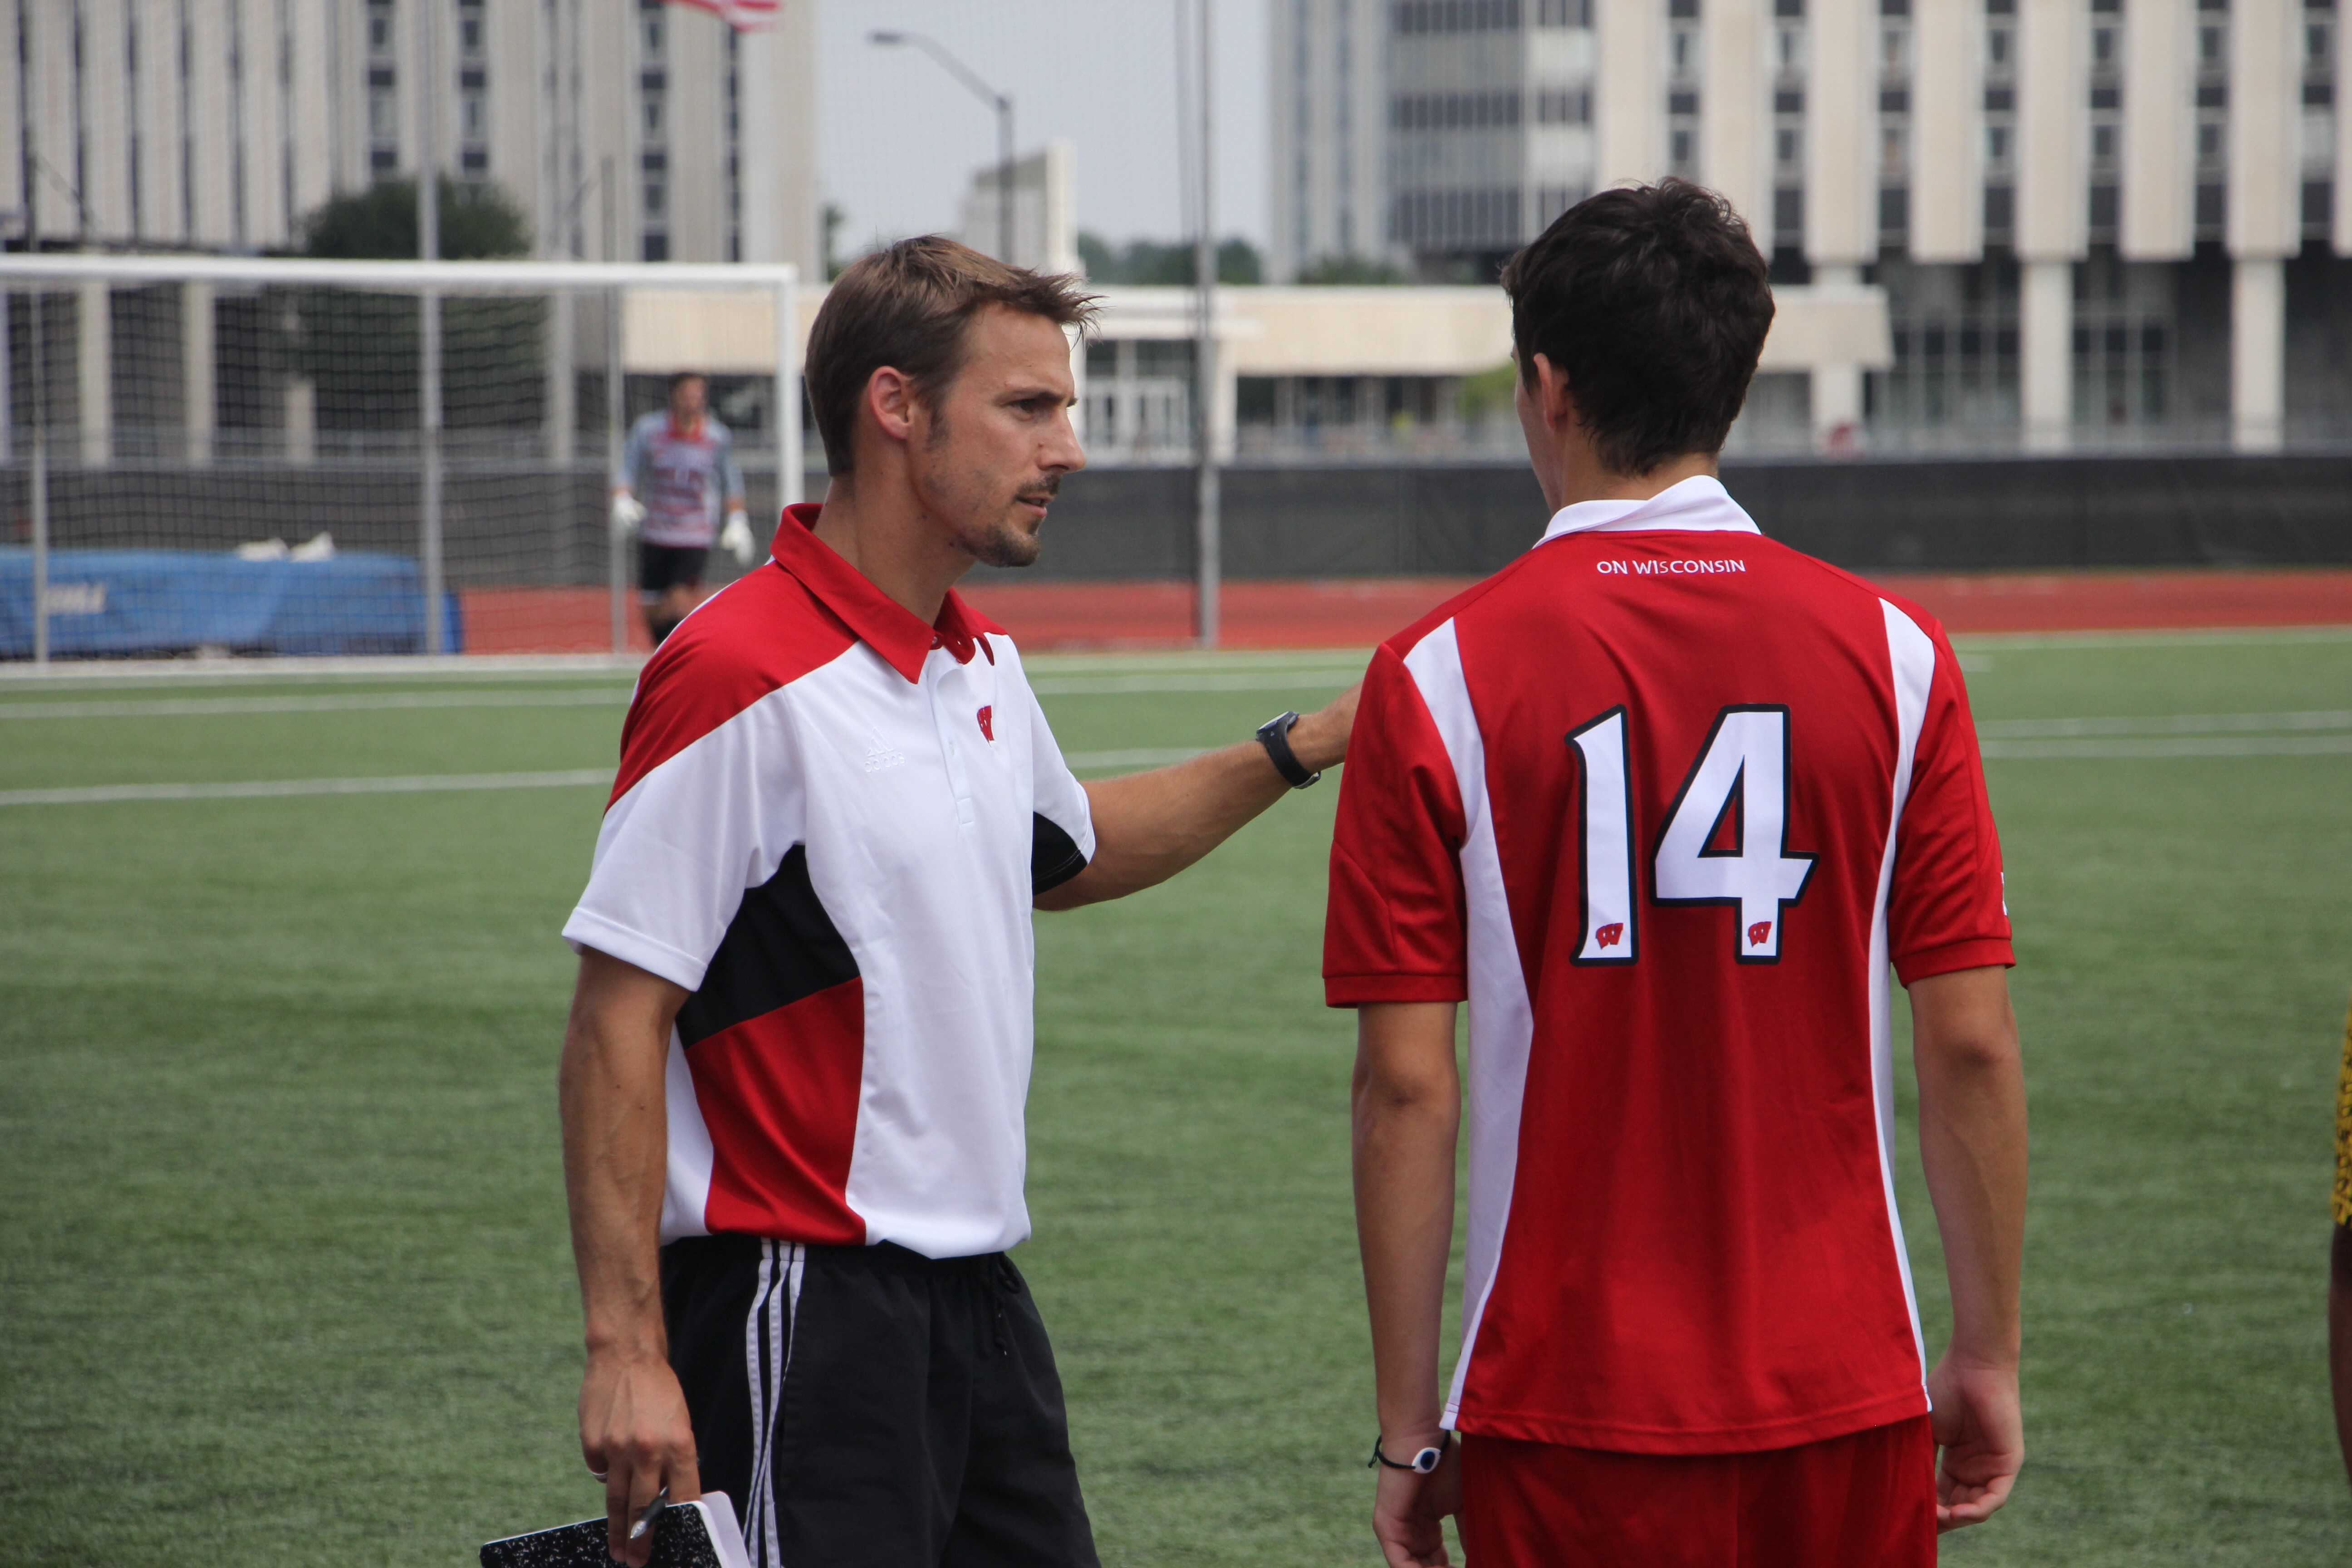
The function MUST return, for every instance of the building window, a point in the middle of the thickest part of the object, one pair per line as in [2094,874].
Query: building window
[379,27]
[2212,111]
[469,30]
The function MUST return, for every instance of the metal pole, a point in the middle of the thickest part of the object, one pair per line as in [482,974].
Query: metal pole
[1207,523]
[40,498]
[428,303]
[788,401]
[1005,180]
[615,408]
[40,475]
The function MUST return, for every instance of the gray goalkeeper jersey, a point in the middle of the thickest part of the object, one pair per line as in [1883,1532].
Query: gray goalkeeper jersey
[680,478]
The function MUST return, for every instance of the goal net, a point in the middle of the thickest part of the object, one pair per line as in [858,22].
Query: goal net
[209,455]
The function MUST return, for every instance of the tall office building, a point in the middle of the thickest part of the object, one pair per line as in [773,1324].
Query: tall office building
[2093,218]
[628,130]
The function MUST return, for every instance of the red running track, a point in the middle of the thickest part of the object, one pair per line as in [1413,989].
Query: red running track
[1359,611]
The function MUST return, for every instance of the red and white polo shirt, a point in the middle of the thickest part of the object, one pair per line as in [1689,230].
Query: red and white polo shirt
[829,825]
[1661,800]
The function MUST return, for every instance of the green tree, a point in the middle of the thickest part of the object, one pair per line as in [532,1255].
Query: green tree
[360,351]
[1349,269]
[479,221]
[1165,261]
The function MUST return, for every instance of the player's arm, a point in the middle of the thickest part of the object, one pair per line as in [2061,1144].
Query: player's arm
[627,510]
[634,1427]
[1149,827]
[1407,1104]
[736,536]
[1972,1147]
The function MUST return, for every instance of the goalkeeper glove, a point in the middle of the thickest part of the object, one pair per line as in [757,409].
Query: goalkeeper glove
[737,535]
[628,512]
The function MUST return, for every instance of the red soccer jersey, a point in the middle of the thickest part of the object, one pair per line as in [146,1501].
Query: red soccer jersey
[1661,800]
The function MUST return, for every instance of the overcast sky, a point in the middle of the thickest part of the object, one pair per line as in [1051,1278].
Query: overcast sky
[897,138]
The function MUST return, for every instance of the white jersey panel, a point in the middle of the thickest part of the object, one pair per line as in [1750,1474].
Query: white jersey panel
[1502,1023]
[1912,657]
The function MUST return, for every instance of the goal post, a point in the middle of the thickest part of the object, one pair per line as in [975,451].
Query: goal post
[238,455]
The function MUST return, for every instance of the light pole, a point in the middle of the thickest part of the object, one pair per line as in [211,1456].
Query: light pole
[1001,103]
[1208,520]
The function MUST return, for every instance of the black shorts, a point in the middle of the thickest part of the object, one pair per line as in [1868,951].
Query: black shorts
[869,1406]
[661,567]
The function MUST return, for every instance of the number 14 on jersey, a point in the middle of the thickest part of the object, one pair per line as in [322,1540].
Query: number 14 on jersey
[1741,773]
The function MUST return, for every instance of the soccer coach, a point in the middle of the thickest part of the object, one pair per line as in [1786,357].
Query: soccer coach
[1663,801]
[793,1078]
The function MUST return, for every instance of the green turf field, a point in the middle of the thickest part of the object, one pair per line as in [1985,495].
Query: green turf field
[283,1268]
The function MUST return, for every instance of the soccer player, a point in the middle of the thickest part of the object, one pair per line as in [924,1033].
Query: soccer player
[793,1079]
[682,459]
[1661,800]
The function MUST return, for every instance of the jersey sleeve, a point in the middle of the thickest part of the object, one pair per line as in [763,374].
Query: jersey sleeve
[1062,833]
[730,472]
[1395,929]
[633,455]
[1947,909]
[701,813]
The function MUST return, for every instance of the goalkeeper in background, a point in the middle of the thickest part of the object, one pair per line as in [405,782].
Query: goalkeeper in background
[677,463]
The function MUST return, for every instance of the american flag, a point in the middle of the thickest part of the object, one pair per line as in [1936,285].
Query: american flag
[743,16]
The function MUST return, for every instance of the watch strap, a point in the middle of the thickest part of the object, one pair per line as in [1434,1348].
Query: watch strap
[1274,736]
[1422,1462]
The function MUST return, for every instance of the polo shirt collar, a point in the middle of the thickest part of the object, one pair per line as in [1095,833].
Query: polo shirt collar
[875,618]
[1698,505]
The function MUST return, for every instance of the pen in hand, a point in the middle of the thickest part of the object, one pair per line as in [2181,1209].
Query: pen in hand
[653,1511]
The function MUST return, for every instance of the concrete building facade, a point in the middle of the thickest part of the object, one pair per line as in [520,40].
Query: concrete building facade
[2095,220]
[626,130]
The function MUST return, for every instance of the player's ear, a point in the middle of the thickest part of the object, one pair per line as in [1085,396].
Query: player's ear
[890,401]
[1552,395]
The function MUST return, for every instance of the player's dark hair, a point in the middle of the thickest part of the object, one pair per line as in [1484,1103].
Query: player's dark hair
[1653,303]
[906,308]
[678,378]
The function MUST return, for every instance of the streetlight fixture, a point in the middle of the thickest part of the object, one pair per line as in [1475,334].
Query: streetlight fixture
[1002,104]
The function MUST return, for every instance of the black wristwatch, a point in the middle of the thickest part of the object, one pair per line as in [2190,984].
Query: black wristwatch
[1422,1463]
[1274,736]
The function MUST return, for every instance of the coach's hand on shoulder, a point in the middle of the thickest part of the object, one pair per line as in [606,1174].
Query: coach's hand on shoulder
[637,1437]
[1981,1431]
[1319,740]
[1409,1509]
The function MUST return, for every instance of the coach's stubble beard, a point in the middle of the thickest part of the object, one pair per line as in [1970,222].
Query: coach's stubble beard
[1007,538]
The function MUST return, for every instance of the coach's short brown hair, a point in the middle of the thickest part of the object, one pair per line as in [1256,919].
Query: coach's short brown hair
[906,308]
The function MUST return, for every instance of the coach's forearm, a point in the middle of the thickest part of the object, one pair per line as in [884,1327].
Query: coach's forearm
[615,1149]
[1407,1103]
[1149,827]
[1972,1149]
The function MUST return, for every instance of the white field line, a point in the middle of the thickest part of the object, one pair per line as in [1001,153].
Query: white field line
[1080,762]
[276,789]
[430,783]
[2185,746]
[107,673]
[1191,681]
[2163,724]
[2185,636]
[1200,682]
[349,702]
